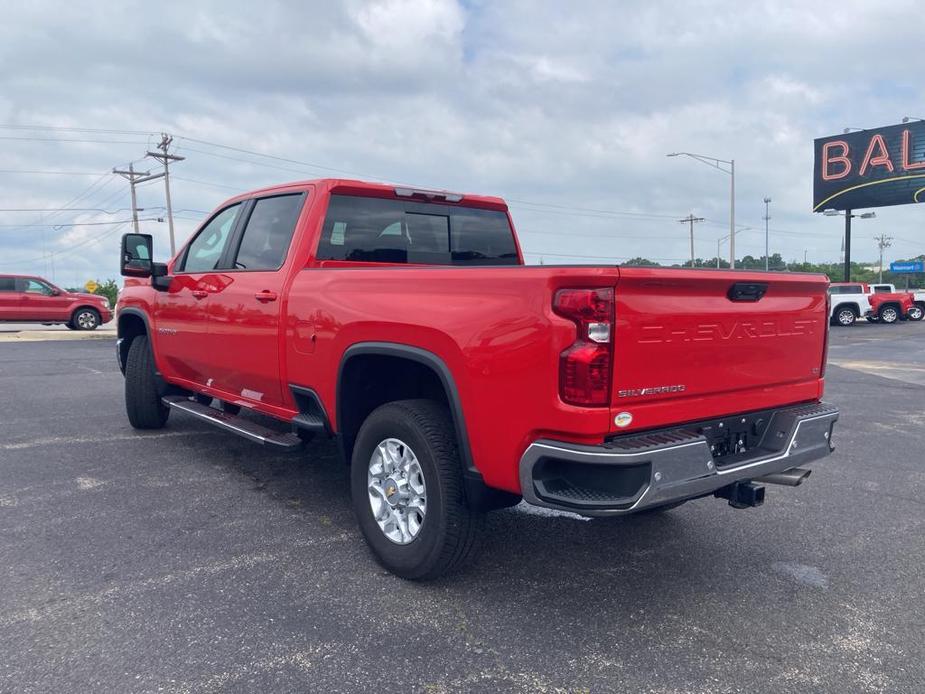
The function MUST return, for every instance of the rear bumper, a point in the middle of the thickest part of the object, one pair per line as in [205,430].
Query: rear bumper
[636,472]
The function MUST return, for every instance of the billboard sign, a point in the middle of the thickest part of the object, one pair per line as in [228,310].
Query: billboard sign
[908,266]
[870,168]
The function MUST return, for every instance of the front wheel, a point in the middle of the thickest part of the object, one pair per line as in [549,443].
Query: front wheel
[85,319]
[916,313]
[888,314]
[407,489]
[142,400]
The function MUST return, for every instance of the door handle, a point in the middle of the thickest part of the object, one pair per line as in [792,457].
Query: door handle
[265,296]
[199,293]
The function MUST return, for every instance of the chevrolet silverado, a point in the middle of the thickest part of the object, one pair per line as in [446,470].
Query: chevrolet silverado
[457,380]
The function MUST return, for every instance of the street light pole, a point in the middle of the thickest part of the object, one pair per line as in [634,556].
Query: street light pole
[848,216]
[732,215]
[718,164]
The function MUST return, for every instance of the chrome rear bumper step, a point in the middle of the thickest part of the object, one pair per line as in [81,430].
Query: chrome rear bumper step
[235,424]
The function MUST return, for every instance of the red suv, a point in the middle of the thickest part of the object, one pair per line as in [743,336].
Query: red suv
[27,299]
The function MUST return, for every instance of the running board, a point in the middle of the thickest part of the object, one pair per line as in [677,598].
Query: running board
[233,423]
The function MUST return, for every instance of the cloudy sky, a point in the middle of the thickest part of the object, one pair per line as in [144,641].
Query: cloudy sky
[566,109]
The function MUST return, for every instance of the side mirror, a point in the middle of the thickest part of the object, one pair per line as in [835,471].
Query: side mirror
[56,292]
[136,259]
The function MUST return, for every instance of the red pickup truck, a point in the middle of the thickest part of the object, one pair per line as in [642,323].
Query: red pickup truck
[28,299]
[456,380]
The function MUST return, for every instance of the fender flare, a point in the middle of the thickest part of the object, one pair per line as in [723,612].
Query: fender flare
[121,346]
[428,359]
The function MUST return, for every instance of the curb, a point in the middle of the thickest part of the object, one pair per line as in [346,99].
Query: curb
[49,335]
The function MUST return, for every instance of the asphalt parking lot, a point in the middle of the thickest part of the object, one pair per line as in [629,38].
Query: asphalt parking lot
[189,560]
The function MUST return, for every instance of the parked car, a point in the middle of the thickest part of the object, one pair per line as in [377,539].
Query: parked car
[917,312]
[29,299]
[404,323]
[852,300]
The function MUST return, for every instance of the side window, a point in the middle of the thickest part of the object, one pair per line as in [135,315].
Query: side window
[206,249]
[36,287]
[268,233]
[7,284]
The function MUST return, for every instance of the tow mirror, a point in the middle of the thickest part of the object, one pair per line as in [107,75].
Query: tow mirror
[136,260]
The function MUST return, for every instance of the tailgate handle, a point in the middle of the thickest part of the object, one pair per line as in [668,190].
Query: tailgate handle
[747,291]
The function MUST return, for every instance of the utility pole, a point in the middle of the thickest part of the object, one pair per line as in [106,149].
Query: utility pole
[767,219]
[883,242]
[134,177]
[164,158]
[690,219]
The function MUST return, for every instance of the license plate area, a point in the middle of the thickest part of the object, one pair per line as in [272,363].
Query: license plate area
[735,439]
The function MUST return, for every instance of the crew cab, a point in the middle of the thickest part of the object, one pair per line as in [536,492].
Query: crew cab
[457,380]
[851,300]
[917,312]
[29,299]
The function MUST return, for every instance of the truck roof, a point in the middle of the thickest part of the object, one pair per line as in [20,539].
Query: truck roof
[356,187]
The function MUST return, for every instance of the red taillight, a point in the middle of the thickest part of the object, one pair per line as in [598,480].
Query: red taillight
[584,368]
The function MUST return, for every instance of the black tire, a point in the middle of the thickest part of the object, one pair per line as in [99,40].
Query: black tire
[70,326]
[142,400]
[85,319]
[888,314]
[845,317]
[916,313]
[872,319]
[449,534]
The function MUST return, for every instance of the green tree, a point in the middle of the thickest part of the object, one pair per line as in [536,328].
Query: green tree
[109,289]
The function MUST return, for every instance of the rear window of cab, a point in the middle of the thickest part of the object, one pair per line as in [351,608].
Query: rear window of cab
[380,230]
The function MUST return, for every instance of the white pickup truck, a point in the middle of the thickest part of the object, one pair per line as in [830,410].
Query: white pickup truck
[917,312]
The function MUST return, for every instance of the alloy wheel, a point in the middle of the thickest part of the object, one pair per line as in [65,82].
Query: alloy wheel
[86,320]
[397,492]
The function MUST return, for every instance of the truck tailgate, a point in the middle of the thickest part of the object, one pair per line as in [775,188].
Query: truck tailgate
[685,350]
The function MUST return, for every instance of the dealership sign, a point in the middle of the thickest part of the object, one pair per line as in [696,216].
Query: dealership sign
[870,168]
[908,266]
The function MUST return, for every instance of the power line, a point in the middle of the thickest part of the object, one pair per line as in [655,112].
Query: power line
[71,249]
[61,139]
[60,128]
[273,156]
[82,224]
[49,173]
[62,209]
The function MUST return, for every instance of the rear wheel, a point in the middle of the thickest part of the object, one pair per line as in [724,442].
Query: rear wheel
[888,314]
[917,312]
[85,319]
[845,317]
[407,488]
[142,400]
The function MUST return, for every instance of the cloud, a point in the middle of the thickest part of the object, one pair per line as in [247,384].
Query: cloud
[567,105]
